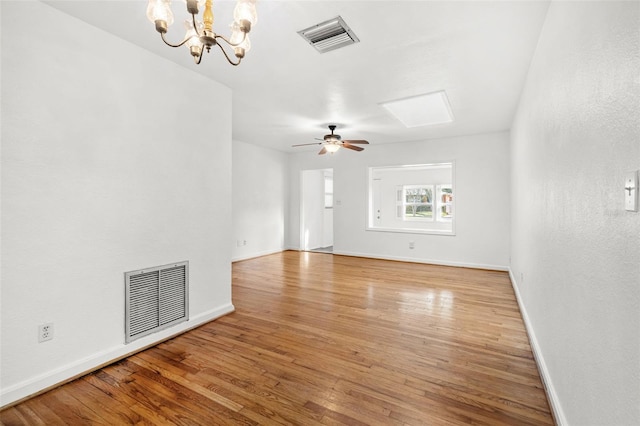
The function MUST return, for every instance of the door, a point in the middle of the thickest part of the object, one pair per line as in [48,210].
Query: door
[316,210]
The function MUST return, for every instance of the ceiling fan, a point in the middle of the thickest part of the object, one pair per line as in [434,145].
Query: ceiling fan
[331,143]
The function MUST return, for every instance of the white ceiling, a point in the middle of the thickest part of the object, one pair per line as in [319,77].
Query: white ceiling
[285,92]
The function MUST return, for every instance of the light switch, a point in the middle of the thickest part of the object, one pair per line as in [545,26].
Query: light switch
[631,192]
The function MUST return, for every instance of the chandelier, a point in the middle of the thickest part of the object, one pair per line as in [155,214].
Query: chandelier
[199,34]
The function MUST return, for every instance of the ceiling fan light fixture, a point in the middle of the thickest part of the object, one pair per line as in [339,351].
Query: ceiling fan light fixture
[332,147]
[332,143]
[422,110]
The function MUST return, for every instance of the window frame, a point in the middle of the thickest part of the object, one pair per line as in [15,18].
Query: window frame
[328,195]
[432,226]
[441,203]
[404,204]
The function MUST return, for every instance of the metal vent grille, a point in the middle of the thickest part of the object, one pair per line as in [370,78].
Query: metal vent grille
[329,35]
[156,298]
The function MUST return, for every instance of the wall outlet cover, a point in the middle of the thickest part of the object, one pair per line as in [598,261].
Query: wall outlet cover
[45,332]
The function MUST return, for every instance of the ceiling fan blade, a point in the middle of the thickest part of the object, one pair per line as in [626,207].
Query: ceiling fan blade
[305,144]
[360,141]
[353,147]
[323,151]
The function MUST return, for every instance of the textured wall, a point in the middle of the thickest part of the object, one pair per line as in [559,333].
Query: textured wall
[575,250]
[260,197]
[101,174]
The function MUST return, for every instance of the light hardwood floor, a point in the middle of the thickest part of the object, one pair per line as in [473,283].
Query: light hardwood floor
[322,339]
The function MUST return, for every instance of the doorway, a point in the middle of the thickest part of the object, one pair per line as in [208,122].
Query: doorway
[316,210]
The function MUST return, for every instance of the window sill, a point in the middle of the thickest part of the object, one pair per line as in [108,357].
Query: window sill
[413,231]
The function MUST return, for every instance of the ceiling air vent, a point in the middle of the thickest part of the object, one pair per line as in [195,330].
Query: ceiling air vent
[329,35]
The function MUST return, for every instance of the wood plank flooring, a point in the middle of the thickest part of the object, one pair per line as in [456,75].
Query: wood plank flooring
[318,339]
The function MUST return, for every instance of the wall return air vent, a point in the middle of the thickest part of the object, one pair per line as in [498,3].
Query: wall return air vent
[329,35]
[156,298]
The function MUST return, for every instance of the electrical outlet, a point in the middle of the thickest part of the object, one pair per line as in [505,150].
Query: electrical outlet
[412,245]
[45,332]
[244,242]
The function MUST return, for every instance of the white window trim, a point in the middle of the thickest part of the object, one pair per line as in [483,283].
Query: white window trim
[369,210]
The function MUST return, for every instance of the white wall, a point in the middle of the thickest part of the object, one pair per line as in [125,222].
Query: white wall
[482,200]
[260,199]
[575,250]
[100,175]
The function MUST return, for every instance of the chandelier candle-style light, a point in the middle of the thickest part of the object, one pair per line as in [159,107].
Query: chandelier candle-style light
[199,34]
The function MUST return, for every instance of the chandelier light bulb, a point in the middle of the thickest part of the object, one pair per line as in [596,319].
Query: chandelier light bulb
[160,10]
[236,34]
[246,10]
[192,35]
[193,42]
[239,39]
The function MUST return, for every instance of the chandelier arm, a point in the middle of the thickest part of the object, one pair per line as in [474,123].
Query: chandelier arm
[200,57]
[227,56]
[244,37]
[195,27]
[173,45]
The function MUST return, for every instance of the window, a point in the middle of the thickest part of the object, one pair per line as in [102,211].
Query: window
[445,201]
[328,191]
[416,202]
[415,198]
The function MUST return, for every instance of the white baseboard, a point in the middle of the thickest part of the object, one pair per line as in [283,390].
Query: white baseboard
[75,369]
[552,396]
[258,254]
[428,261]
